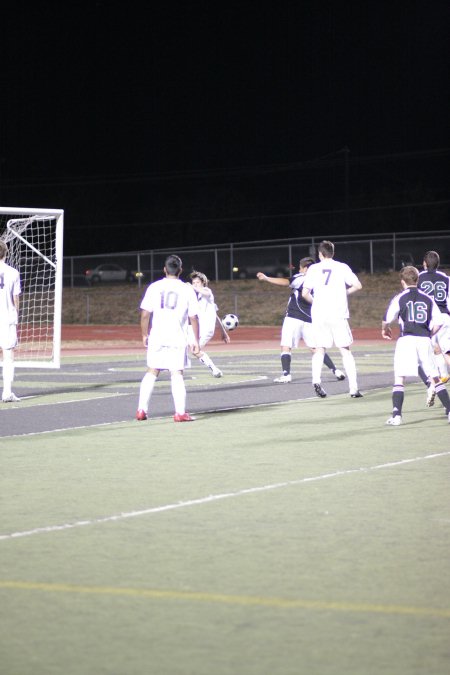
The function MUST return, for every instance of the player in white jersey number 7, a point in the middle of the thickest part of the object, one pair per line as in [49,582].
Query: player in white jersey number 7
[327,286]
[297,321]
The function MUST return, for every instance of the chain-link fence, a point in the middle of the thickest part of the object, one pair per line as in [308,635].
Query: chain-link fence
[369,253]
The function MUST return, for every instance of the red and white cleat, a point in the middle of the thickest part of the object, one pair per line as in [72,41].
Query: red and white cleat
[141,415]
[182,417]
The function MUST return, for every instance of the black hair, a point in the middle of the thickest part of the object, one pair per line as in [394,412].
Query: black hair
[173,265]
[432,260]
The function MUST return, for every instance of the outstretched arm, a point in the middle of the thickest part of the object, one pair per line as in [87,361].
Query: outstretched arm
[278,281]
[203,290]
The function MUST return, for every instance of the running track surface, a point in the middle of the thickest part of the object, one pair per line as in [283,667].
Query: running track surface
[103,392]
[113,339]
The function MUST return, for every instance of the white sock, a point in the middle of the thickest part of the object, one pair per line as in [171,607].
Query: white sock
[316,364]
[8,373]
[147,384]
[350,369]
[207,361]
[441,364]
[178,392]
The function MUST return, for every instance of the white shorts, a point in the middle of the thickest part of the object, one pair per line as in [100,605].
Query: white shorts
[204,337]
[412,351]
[294,330]
[337,333]
[161,357]
[442,337]
[8,336]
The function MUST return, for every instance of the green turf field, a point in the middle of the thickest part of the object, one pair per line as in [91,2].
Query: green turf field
[296,538]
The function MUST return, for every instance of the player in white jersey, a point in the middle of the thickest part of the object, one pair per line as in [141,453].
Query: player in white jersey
[208,318]
[166,308]
[10,290]
[297,322]
[327,286]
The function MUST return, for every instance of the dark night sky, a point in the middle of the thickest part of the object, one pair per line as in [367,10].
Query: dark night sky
[100,103]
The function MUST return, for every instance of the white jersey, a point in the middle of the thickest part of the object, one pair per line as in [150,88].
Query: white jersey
[207,314]
[328,280]
[9,287]
[171,302]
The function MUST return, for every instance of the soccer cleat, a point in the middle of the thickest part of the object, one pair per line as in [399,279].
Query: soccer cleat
[431,395]
[356,394]
[12,398]
[394,421]
[321,393]
[182,417]
[445,379]
[216,372]
[141,415]
[339,375]
[283,379]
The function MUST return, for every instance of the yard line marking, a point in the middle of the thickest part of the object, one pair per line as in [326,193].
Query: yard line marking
[56,431]
[246,600]
[74,400]
[215,498]
[131,420]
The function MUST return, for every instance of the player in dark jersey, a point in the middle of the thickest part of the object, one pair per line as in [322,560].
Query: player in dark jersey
[436,284]
[297,322]
[419,319]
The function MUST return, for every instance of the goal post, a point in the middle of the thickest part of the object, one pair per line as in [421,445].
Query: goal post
[34,238]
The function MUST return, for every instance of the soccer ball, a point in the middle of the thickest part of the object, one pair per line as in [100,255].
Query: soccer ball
[230,321]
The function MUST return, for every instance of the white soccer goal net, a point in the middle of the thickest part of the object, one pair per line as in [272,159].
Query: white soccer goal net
[35,247]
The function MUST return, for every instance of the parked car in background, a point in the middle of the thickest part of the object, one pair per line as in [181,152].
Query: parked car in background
[111,272]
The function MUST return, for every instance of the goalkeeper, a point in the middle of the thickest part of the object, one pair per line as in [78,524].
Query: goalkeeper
[10,290]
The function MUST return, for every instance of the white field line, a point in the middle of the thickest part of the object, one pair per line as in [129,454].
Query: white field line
[74,400]
[215,498]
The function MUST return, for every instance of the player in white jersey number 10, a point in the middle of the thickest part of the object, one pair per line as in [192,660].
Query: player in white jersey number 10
[166,307]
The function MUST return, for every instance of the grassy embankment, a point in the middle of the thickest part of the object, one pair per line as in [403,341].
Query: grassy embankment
[255,302]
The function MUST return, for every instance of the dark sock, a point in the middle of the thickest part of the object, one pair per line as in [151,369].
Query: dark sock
[328,362]
[398,394]
[286,364]
[423,377]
